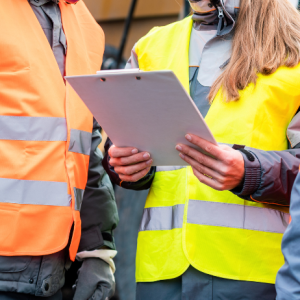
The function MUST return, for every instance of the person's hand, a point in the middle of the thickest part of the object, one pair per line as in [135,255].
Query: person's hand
[95,280]
[225,171]
[130,165]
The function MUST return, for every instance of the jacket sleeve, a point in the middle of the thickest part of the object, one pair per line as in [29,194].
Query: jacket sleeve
[99,213]
[288,277]
[270,175]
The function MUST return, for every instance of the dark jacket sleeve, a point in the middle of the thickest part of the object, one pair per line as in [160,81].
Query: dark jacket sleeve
[142,184]
[270,175]
[99,213]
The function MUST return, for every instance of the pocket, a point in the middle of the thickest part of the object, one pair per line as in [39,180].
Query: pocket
[13,264]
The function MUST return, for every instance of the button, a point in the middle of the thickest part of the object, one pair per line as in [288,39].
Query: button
[31,281]
[46,287]
[248,155]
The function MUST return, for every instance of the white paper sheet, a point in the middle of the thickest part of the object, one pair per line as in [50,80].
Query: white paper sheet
[147,110]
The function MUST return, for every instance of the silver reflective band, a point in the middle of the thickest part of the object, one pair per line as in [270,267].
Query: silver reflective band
[33,128]
[162,218]
[34,192]
[80,141]
[168,168]
[78,198]
[215,214]
[236,216]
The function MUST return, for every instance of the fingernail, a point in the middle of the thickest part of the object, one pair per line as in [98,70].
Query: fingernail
[146,155]
[149,162]
[181,155]
[134,151]
[188,137]
[179,148]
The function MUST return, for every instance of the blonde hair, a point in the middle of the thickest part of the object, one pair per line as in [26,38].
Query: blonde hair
[267,36]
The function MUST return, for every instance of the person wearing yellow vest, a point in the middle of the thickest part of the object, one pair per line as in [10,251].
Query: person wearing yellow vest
[213,230]
[56,200]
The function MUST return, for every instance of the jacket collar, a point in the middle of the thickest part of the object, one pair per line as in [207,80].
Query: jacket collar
[42,2]
[222,19]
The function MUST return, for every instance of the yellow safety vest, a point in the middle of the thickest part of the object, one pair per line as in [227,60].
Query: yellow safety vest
[188,223]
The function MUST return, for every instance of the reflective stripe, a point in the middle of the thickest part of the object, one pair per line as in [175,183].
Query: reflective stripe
[162,218]
[236,216]
[80,141]
[33,128]
[169,168]
[215,214]
[34,192]
[78,198]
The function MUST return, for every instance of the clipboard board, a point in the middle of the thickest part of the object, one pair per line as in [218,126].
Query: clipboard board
[147,110]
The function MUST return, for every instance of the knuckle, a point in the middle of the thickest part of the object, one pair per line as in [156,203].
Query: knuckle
[224,170]
[126,171]
[208,148]
[221,180]
[123,161]
[229,160]
[112,162]
[219,188]
[201,159]
[222,187]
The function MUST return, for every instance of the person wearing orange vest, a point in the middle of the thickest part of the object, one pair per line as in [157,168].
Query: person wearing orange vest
[213,229]
[57,202]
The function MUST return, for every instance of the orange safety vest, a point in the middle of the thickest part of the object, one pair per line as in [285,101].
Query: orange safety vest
[45,129]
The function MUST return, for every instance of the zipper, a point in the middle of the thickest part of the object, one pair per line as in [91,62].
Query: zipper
[221,12]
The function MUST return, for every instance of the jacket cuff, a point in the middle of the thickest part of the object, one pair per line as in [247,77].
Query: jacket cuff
[252,176]
[93,239]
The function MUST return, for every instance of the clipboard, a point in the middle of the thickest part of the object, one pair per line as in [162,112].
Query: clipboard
[147,110]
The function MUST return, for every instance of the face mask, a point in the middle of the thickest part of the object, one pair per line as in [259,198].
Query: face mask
[203,6]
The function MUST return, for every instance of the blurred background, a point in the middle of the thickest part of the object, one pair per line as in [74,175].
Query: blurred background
[112,15]
[124,23]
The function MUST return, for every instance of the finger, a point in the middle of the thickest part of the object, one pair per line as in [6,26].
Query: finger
[133,169]
[198,156]
[121,152]
[208,147]
[135,177]
[208,181]
[202,169]
[130,160]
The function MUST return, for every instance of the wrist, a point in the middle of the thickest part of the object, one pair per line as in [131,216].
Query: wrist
[252,177]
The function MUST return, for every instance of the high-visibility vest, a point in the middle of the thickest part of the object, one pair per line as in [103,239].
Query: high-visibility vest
[188,223]
[45,135]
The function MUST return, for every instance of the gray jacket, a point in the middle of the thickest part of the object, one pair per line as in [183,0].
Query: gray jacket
[288,277]
[269,175]
[44,275]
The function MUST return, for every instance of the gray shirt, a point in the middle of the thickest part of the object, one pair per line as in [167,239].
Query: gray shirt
[49,16]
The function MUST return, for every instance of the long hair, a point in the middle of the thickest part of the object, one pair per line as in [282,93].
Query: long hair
[267,36]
